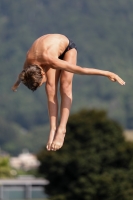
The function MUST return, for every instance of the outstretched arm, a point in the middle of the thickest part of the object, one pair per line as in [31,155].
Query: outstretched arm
[63,65]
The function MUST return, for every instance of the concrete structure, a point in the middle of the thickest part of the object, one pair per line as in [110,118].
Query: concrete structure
[26,187]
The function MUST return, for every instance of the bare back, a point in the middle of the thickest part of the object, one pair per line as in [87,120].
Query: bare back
[51,44]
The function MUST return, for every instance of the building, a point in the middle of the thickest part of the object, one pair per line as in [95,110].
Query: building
[25,161]
[24,187]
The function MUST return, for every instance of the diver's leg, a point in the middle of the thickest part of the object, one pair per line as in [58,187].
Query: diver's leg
[66,100]
[51,91]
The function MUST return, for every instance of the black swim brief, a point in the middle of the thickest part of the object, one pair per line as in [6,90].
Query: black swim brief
[71,45]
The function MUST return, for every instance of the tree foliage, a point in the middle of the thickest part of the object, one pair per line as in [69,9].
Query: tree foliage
[14,138]
[5,169]
[94,163]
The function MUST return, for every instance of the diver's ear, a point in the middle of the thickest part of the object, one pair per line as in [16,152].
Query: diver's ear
[16,84]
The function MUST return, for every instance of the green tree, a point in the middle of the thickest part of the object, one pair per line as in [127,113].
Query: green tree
[95,162]
[5,169]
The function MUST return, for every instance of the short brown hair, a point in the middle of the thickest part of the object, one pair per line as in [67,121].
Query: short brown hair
[31,77]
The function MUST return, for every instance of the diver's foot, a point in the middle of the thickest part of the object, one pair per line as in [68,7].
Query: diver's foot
[50,140]
[58,140]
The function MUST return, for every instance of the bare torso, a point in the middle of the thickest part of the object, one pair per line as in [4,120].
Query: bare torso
[51,44]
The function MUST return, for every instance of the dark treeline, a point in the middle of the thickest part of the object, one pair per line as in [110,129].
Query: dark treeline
[95,162]
[103,32]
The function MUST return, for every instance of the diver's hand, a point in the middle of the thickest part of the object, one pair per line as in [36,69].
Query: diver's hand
[114,77]
[16,84]
[14,88]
